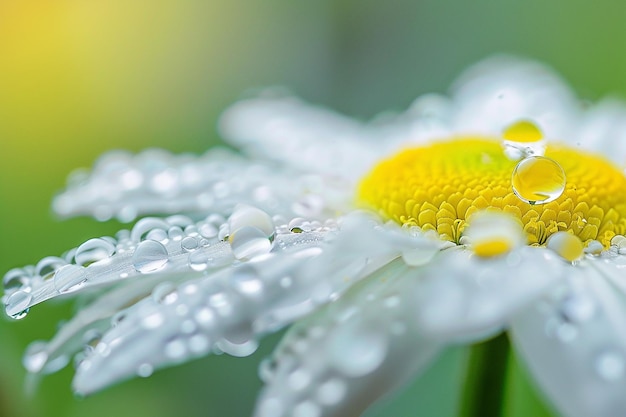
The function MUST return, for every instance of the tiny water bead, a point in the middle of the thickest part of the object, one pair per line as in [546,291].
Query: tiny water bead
[538,180]
[440,186]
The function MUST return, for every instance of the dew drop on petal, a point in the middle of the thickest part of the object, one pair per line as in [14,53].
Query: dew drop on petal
[69,278]
[175,349]
[271,407]
[145,370]
[164,293]
[566,245]
[307,409]
[149,256]
[610,365]
[538,180]
[48,265]
[18,303]
[523,139]
[299,379]
[246,282]
[93,250]
[198,261]
[248,242]
[331,392]
[359,351]
[189,244]
[15,279]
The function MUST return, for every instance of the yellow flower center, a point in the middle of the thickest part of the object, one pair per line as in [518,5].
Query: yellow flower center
[438,187]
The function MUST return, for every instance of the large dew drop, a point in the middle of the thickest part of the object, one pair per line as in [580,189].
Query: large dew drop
[150,256]
[538,180]
[69,278]
[18,303]
[93,250]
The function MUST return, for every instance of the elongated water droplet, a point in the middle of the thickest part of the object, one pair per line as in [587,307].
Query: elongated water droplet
[538,180]
[69,278]
[248,242]
[18,303]
[93,250]
[149,256]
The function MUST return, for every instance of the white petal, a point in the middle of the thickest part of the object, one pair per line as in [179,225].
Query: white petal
[126,186]
[300,135]
[501,90]
[346,356]
[574,344]
[463,297]
[603,130]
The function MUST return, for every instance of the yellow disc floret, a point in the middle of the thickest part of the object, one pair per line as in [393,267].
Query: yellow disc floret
[438,187]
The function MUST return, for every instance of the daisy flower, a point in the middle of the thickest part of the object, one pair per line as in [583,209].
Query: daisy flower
[499,209]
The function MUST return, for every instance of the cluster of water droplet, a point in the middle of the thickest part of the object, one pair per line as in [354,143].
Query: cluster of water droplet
[125,186]
[535,179]
[175,243]
[335,361]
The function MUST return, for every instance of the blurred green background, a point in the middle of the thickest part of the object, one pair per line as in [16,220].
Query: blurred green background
[81,77]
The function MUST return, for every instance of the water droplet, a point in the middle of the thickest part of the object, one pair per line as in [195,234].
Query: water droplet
[158,235]
[143,226]
[356,350]
[199,344]
[189,244]
[175,349]
[248,242]
[18,303]
[538,180]
[246,281]
[145,370]
[93,250]
[198,261]
[69,278]
[222,234]
[248,216]
[610,365]
[299,379]
[523,139]
[566,245]
[331,392]
[208,230]
[418,256]
[578,308]
[149,256]
[245,348]
[205,317]
[299,225]
[175,233]
[92,337]
[49,264]
[152,321]
[307,409]
[271,407]
[14,279]
[164,293]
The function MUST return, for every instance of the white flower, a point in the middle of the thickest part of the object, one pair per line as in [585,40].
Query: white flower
[382,242]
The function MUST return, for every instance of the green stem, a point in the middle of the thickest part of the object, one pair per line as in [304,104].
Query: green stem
[484,387]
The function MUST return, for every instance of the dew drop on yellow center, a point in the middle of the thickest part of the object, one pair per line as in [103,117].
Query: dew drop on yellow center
[439,186]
